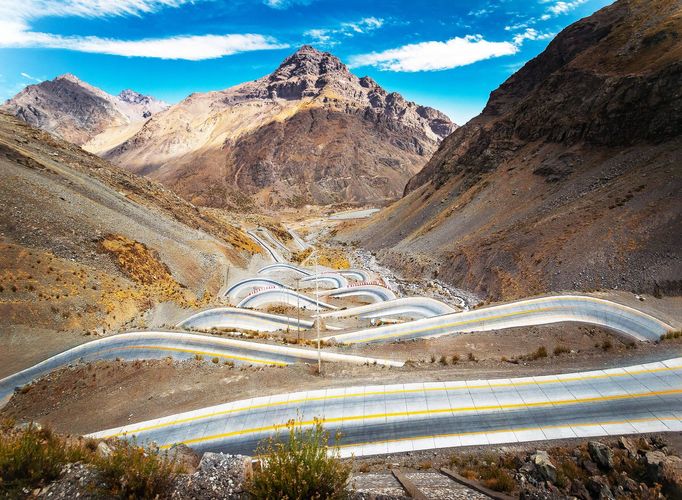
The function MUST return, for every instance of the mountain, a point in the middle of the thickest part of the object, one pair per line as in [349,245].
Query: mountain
[78,112]
[310,132]
[571,176]
[86,245]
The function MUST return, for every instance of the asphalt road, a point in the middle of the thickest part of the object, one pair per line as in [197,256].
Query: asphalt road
[583,309]
[244,319]
[178,345]
[405,417]
[406,307]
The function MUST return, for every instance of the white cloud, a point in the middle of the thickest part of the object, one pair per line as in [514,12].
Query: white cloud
[32,9]
[326,36]
[285,4]
[433,56]
[15,31]
[363,25]
[531,34]
[561,7]
[29,77]
[479,12]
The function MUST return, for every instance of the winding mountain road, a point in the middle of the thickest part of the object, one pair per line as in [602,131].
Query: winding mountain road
[410,307]
[406,417]
[374,293]
[178,345]
[243,319]
[283,296]
[545,310]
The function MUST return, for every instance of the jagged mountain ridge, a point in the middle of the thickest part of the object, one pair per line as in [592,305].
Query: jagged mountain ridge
[570,177]
[310,132]
[77,111]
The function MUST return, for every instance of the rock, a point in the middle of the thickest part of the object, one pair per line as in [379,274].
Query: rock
[24,426]
[544,466]
[103,449]
[667,470]
[653,461]
[599,488]
[591,467]
[578,490]
[184,457]
[601,454]
[628,445]
[218,476]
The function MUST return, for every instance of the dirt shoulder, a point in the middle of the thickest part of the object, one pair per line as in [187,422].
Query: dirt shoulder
[90,397]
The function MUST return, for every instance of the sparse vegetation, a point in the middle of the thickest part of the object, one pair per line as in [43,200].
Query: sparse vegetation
[561,349]
[606,345]
[472,357]
[676,334]
[33,457]
[300,467]
[135,472]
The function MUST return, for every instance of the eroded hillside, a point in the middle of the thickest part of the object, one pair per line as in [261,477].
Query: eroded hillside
[570,177]
[87,246]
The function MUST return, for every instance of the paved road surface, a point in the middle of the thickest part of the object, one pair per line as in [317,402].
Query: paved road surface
[243,319]
[373,293]
[178,345]
[405,417]
[545,310]
[287,297]
[406,307]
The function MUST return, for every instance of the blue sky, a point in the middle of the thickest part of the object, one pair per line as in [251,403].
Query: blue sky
[449,54]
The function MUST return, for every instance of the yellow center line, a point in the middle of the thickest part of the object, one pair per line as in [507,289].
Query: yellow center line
[450,325]
[506,315]
[438,411]
[577,378]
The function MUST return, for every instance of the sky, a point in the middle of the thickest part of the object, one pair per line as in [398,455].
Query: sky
[449,54]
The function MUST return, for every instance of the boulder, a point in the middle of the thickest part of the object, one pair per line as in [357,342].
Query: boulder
[628,446]
[601,454]
[104,450]
[544,466]
[598,486]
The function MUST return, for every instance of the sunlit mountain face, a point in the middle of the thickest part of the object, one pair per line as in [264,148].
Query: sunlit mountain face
[171,48]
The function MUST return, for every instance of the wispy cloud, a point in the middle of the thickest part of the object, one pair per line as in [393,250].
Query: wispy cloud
[434,56]
[561,7]
[29,77]
[285,4]
[15,31]
[329,36]
[531,34]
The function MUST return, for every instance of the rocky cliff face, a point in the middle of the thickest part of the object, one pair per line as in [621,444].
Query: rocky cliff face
[569,178]
[310,132]
[78,112]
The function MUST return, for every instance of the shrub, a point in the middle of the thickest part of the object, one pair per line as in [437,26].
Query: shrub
[215,360]
[606,345]
[540,352]
[433,358]
[300,467]
[443,360]
[135,472]
[471,357]
[32,458]
[561,349]
[455,359]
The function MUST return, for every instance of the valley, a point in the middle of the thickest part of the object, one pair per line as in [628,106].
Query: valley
[493,307]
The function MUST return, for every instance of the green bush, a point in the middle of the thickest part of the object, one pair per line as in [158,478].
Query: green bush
[134,472]
[33,457]
[301,467]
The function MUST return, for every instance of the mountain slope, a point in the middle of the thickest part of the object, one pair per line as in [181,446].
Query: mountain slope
[569,178]
[86,245]
[310,132]
[77,112]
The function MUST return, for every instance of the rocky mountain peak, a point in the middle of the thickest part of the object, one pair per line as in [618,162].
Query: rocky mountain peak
[133,97]
[69,77]
[306,71]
